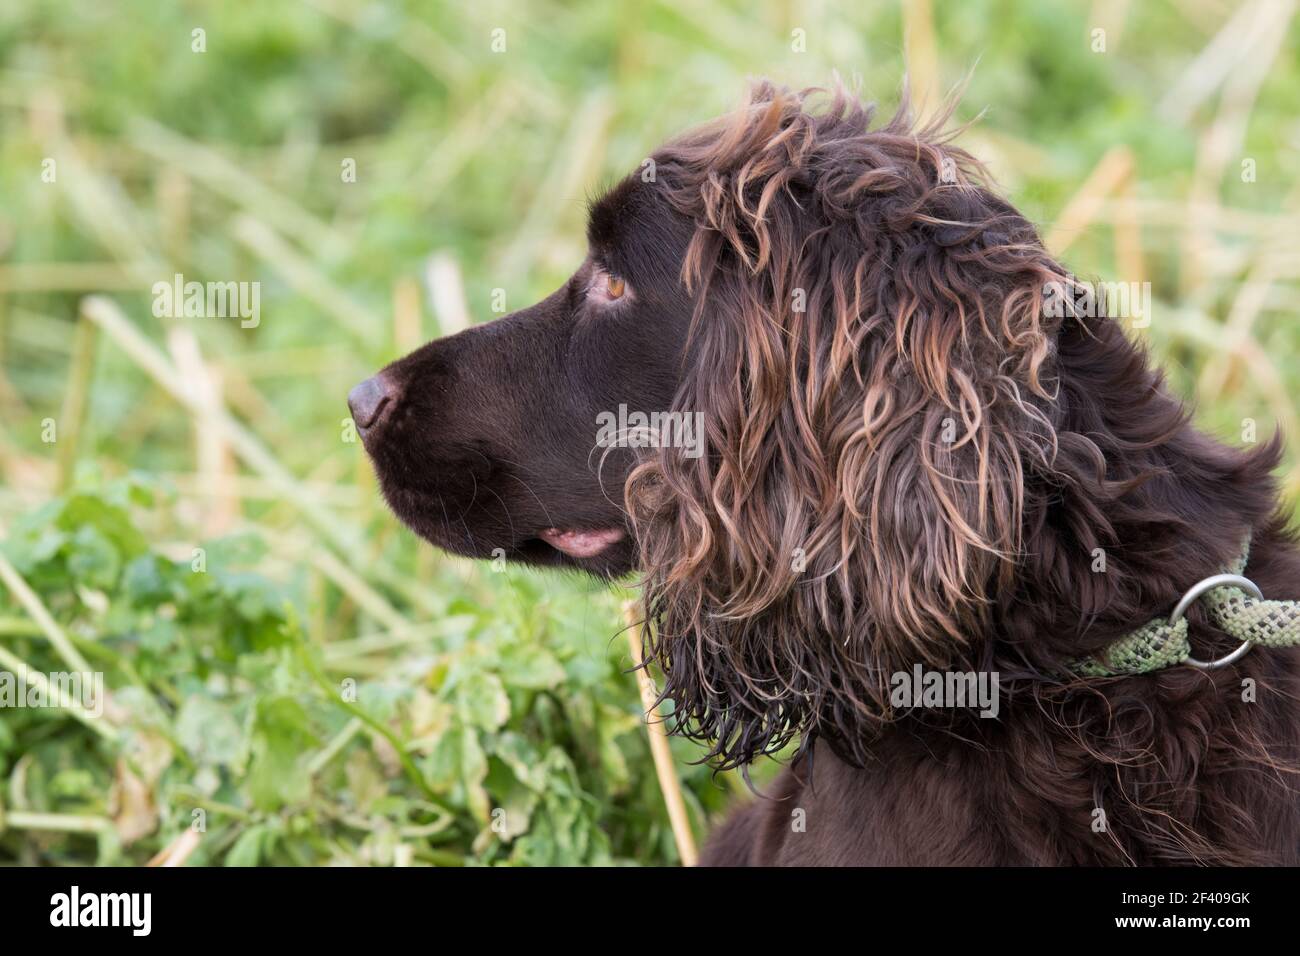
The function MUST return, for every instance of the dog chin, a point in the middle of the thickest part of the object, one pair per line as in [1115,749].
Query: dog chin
[607,551]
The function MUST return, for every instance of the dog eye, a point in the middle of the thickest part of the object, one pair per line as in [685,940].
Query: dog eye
[607,287]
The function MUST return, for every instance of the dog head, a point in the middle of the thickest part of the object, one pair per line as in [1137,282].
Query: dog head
[857,325]
[504,438]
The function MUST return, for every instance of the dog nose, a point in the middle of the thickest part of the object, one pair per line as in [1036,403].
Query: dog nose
[370,400]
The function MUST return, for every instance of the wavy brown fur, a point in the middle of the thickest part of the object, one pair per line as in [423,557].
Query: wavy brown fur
[908,460]
[917,467]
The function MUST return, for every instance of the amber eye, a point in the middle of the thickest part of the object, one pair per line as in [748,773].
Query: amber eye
[615,287]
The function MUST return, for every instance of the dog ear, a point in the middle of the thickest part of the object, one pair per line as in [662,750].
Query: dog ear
[869,356]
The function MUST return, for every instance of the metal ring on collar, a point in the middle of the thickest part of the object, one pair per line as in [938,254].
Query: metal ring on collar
[1200,588]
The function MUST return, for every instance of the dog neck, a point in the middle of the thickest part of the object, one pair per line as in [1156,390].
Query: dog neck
[1141,506]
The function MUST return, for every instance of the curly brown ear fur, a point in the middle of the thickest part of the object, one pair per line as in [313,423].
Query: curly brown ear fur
[872,358]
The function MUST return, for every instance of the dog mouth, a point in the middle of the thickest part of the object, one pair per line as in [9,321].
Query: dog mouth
[594,545]
[582,544]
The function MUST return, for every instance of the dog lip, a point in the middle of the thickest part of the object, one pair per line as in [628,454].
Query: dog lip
[581,544]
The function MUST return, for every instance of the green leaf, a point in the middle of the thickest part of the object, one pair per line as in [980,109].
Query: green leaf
[530,666]
[94,560]
[143,580]
[517,753]
[253,846]
[458,765]
[513,803]
[481,700]
[234,551]
[111,521]
[208,731]
[277,772]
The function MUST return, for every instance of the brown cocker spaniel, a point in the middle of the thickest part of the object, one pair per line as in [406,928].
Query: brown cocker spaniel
[859,437]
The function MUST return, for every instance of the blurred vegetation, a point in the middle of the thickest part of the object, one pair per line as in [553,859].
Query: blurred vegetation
[280,655]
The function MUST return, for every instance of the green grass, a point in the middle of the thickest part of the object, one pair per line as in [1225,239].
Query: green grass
[326,689]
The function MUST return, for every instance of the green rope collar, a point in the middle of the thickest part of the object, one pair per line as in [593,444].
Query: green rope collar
[1235,605]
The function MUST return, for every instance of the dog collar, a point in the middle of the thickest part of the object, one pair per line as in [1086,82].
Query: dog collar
[1235,605]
